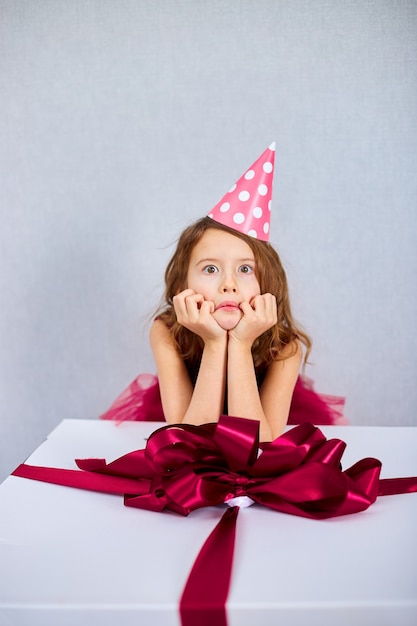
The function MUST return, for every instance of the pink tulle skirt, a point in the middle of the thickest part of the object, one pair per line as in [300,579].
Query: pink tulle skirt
[141,401]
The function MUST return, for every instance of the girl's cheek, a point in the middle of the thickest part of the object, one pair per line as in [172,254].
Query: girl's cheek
[256,287]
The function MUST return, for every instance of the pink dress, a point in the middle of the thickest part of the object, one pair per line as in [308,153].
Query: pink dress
[141,401]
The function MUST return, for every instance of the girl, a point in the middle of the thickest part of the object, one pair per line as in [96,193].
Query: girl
[224,341]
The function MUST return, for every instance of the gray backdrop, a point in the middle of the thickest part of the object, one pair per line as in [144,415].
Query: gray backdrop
[123,121]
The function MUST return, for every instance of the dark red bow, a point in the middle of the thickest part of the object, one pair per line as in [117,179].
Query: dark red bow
[188,467]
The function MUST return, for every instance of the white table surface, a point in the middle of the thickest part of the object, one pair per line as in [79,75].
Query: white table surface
[75,558]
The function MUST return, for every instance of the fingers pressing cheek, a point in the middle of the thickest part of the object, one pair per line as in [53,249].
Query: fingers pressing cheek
[197,299]
[247,307]
[206,306]
[266,299]
[184,293]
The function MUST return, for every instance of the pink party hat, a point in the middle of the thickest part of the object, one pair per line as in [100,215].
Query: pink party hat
[247,205]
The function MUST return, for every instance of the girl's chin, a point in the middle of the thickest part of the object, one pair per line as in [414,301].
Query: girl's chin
[227,321]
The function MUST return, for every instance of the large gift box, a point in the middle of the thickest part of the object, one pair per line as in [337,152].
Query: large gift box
[76,557]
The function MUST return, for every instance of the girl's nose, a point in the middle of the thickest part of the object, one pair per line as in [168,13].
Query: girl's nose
[229,285]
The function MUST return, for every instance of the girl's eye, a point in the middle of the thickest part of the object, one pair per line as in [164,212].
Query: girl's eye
[210,269]
[245,269]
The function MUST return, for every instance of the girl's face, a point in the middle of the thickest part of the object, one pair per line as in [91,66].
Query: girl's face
[222,270]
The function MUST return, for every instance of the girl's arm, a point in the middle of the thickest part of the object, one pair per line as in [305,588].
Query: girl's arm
[174,383]
[271,404]
[277,389]
[207,401]
[181,403]
[243,399]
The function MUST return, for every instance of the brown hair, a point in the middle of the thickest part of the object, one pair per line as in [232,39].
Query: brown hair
[272,279]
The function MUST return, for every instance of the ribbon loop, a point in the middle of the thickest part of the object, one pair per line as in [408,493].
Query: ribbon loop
[238,446]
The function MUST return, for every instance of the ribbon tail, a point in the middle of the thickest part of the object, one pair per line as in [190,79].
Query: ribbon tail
[394,486]
[83,480]
[203,600]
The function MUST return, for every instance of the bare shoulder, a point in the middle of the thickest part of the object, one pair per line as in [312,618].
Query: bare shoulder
[290,363]
[163,346]
[160,333]
[293,351]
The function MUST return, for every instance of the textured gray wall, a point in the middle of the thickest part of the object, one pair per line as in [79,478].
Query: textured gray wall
[122,121]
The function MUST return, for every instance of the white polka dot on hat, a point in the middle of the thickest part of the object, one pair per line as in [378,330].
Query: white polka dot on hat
[246,207]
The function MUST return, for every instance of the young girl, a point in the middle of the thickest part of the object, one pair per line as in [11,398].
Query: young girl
[225,340]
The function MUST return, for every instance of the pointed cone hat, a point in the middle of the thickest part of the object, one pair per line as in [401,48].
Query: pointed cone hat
[246,207]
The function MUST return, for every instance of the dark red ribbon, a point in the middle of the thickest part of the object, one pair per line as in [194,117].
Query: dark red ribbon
[185,467]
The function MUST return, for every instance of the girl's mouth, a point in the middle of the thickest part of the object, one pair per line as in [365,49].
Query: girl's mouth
[228,306]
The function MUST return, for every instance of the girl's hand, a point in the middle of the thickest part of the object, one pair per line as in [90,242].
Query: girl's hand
[258,316]
[195,313]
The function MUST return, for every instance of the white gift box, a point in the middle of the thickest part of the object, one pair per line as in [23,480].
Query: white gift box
[80,558]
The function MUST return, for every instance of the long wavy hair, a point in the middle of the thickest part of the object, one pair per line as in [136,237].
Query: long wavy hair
[273,344]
